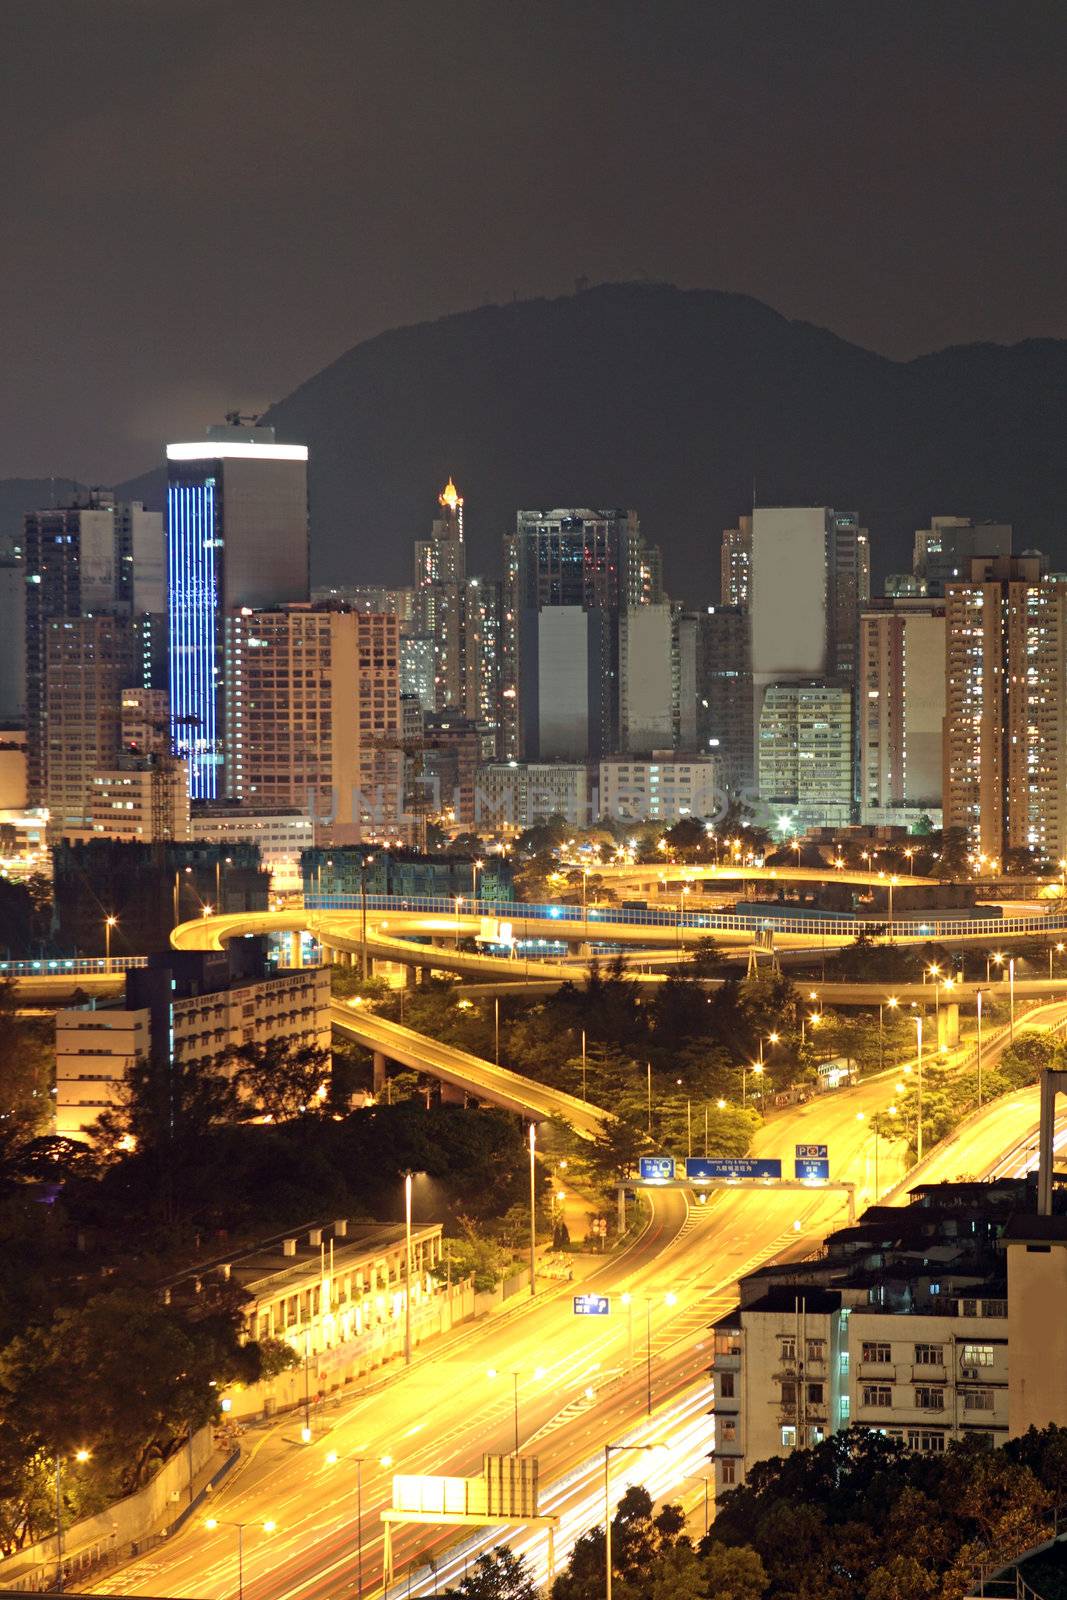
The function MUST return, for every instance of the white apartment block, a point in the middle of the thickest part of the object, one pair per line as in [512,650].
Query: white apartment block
[516,794]
[280,835]
[139,803]
[95,1047]
[661,789]
[802,1363]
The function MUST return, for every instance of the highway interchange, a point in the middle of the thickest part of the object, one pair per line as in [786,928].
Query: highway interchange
[581,1381]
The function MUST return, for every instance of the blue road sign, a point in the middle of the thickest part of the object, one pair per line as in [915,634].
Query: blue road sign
[812,1152]
[730,1167]
[655,1169]
[591,1305]
[813,1170]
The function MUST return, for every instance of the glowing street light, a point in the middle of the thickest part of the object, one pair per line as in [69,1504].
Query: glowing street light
[331,1461]
[211,1523]
[112,922]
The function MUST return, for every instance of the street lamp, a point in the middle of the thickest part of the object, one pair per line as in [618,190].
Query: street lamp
[211,1523]
[111,922]
[407,1281]
[978,997]
[609,1451]
[1011,999]
[459,902]
[364,863]
[892,1002]
[476,867]
[538,1373]
[918,1021]
[382,1461]
[997,959]
[533,1209]
[81,1457]
[1059,948]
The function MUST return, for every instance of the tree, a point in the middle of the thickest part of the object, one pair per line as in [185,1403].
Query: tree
[164,1103]
[615,1151]
[735,1573]
[498,1575]
[280,1078]
[26,1065]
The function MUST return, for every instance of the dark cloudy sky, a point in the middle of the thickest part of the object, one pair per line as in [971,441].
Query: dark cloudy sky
[202,202]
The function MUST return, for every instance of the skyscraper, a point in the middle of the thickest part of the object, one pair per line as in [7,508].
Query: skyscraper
[724,695]
[736,563]
[805,754]
[900,703]
[1005,764]
[79,561]
[88,662]
[237,535]
[943,552]
[593,560]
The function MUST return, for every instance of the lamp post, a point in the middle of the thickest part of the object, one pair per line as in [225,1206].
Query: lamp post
[459,902]
[1011,998]
[892,1002]
[918,1021]
[496,1029]
[609,1451]
[1059,948]
[80,1456]
[978,997]
[476,867]
[407,1282]
[221,1522]
[998,959]
[533,1210]
[538,1373]
[584,1064]
[364,863]
[305,1432]
[382,1461]
[111,922]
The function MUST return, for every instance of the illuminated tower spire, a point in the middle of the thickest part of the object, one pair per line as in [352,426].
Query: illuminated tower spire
[451,502]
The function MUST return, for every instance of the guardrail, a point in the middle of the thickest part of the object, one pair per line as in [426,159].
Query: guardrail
[776,921]
[72,966]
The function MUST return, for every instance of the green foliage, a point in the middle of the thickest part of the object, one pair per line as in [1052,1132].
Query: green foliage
[281,1079]
[858,1516]
[27,1065]
[498,1575]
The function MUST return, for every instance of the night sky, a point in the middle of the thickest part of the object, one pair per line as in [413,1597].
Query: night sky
[205,201]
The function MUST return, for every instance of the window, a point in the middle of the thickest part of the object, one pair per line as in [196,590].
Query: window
[978,1399]
[789,1438]
[787,1349]
[789,1393]
[729,1469]
[924,1439]
[815,1436]
[877,1354]
[929,1355]
[877,1394]
[814,1394]
[927,1399]
[724,1385]
[844,1408]
[977,1355]
[726,1430]
[816,1349]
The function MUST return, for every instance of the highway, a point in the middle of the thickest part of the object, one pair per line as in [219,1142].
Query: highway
[581,1381]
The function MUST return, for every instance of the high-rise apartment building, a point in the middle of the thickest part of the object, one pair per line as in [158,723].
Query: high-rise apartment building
[12,635]
[440,580]
[944,551]
[237,535]
[724,694]
[848,563]
[901,708]
[805,754]
[81,561]
[647,683]
[664,788]
[571,559]
[1005,760]
[809,578]
[87,663]
[313,716]
[735,571]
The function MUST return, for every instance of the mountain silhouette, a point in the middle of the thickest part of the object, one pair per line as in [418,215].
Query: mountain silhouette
[685,404]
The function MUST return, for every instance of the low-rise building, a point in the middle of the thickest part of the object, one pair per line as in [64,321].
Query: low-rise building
[281,836]
[336,1292]
[351,871]
[189,1006]
[516,794]
[660,789]
[902,1326]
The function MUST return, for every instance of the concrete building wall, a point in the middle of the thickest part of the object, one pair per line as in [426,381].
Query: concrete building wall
[516,794]
[662,789]
[901,706]
[1037,1329]
[564,727]
[646,679]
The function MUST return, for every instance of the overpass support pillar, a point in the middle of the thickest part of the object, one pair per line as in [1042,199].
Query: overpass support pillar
[622,1210]
[948,1029]
[379,1072]
[296,950]
[411,977]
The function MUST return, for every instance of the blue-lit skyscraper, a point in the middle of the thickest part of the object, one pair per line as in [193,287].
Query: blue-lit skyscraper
[237,535]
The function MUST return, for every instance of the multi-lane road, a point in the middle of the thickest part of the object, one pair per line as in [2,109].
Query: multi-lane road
[581,1382]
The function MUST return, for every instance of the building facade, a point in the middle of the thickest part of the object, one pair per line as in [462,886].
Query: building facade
[804,773]
[944,551]
[665,788]
[187,1006]
[724,694]
[1005,738]
[735,566]
[313,717]
[237,536]
[512,795]
[88,662]
[901,707]
[649,687]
